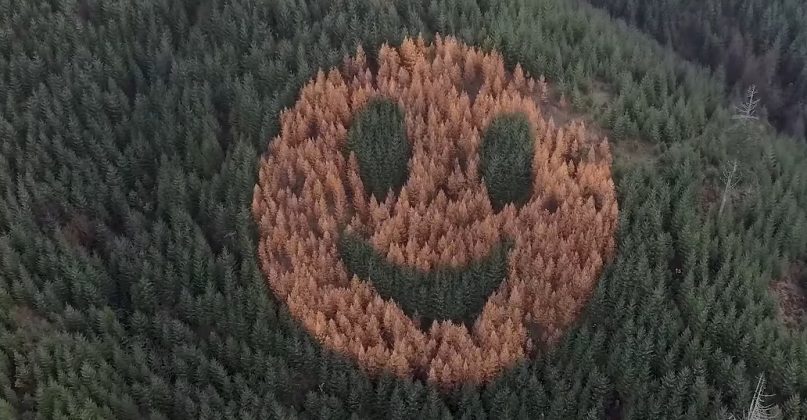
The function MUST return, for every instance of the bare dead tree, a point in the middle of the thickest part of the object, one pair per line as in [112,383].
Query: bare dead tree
[758,410]
[747,110]
[729,182]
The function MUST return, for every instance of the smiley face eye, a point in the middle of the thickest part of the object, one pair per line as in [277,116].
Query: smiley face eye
[378,138]
[506,157]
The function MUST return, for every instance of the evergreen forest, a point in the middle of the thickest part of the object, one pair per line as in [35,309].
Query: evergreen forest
[747,43]
[350,209]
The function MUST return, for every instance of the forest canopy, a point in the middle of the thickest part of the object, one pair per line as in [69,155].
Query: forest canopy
[134,278]
[758,43]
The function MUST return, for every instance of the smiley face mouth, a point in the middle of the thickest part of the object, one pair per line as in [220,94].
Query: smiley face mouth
[456,294]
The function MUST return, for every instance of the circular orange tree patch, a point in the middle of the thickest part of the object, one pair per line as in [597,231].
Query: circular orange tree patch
[427,219]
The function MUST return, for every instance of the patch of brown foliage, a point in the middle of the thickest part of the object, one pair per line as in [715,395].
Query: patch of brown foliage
[308,190]
[791,297]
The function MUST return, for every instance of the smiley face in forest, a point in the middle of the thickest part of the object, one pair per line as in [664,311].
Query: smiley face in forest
[426,219]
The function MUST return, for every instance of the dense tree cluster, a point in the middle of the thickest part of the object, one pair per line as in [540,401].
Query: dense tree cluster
[505,161]
[130,134]
[457,294]
[757,42]
[451,96]
[378,138]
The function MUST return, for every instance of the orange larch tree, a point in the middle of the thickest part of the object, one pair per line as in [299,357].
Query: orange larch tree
[309,191]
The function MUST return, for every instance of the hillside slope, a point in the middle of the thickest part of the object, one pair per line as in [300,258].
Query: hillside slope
[130,138]
[760,43]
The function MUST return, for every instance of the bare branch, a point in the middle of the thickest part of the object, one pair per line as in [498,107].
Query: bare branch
[746,111]
[730,181]
[758,410]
